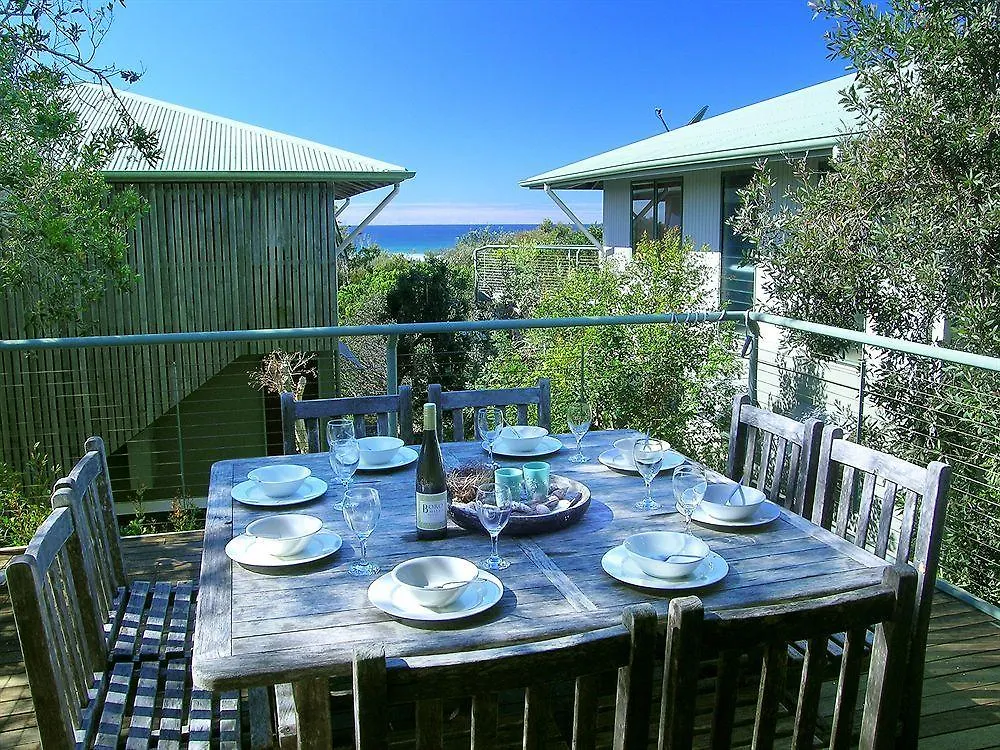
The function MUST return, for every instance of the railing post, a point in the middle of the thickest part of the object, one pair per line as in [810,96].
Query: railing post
[753,341]
[180,431]
[392,375]
[861,398]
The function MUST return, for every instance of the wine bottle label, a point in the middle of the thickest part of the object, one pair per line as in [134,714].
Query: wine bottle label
[432,511]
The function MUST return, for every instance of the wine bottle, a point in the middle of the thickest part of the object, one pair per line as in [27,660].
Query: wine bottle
[432,490]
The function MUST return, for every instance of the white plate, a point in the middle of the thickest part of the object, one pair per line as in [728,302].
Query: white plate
[765,513]
[546,445]
[250,493]
[404,456]
[619,461]
[389,597]
[617,563]
[245,550]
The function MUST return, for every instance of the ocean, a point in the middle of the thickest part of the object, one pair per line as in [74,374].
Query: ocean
[419,239]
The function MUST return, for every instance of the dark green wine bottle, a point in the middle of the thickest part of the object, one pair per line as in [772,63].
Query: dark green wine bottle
[432,490]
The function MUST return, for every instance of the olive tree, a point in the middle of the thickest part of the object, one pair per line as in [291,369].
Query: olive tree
[62,227]
[902,235]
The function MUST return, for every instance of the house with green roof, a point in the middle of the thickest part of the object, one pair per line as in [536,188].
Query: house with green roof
[241,232]
[688,178]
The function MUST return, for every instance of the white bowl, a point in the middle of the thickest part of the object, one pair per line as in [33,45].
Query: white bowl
[280,480]
[714,502]
[651,549]
[286,534]
[522,437]
[379,450]
[435,581]
[625,445]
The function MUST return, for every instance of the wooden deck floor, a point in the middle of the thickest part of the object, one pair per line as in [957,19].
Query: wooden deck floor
[961,708]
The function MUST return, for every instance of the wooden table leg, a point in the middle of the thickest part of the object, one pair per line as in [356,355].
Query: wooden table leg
[312,707]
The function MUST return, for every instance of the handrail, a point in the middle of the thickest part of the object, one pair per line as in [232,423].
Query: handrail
[398,329]
[956,356]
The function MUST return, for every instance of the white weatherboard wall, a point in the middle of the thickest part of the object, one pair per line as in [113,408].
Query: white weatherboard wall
[617,213]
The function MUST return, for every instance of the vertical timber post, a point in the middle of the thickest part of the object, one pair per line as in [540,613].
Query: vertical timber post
[180,431]
[861,398]
[392,375]
[753,341]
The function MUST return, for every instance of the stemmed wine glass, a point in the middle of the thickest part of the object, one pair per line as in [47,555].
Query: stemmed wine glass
[490,429]
[362,508]
[494,503]
[344,459]
[648,456]
[338,429]
[345,453]
[689,490]
[579,415]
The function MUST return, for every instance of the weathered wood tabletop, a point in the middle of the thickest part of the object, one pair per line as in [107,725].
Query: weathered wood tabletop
[255,628]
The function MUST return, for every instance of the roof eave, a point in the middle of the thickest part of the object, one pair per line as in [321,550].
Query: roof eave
[686,163]
[158,175]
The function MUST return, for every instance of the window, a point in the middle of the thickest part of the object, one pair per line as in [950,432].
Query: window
[737,279]
[656,207]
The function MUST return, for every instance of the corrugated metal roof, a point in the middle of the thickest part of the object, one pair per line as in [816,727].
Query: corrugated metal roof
[809,119]
[200,147]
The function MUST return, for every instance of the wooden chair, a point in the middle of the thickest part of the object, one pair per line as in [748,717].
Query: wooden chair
[521,398]
[139,614]
[142,621]
[380,684]
[897,510]
[314,412]
[775,454]
[756,640]
[81,696]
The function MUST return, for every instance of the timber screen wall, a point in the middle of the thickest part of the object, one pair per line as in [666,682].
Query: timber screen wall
[210,256]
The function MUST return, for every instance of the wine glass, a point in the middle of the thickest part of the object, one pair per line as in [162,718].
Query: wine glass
[648,456]
[490,429]
[579,415]
[362,508]
[345,455]
[494,503]
[338,430]
[689,490]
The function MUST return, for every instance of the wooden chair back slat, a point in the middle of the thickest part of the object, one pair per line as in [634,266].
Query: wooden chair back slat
[536,704]
[845,502]
[86,490]
[360,430]
[627,649]
[485,714]
[316,412]
[767,630]
[61,639]
[455,403]
[772,690]
[429,725]
[886,513]
[810,690]
[458,424]
[845,705]
[780,456]
[726,695]
[867,501]
[920,534]
[586,690]
[775,454]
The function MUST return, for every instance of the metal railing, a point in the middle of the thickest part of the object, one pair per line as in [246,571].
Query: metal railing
[201,409]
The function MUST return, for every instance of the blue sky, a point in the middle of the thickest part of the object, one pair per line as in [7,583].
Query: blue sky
[474,96]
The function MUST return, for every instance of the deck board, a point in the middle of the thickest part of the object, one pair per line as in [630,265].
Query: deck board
[961,708]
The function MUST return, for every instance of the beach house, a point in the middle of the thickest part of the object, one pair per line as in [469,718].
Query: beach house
[240,233]
[688,178]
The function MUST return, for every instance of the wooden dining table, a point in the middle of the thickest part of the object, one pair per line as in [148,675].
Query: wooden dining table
[300,625]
